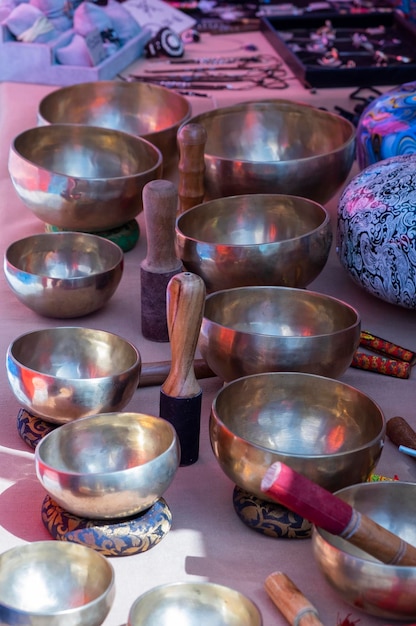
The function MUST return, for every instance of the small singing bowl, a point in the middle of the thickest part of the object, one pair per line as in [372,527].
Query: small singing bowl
[276,146]
[322,428]
[51,583]
[254,329]
[387,591]
[255,239]
[82,178]
[65,274]
[142,109]
[65,373]
[193,604]
[109,465]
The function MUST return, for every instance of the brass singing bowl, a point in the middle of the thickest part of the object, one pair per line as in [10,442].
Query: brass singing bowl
[255,239]
[51,583]
[82,178]
[249,330]
[193,604]
[108,466]
[322,428]
[386,591]
[65,274]
[276,146]
[65,373]
[142,109]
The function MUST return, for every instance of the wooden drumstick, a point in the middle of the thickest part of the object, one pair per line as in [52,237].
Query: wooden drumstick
[180,394]
[290,601]
[326,510]
[160,200]
[191,141]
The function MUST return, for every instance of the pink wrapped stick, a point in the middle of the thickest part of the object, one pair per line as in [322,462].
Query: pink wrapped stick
[334,515]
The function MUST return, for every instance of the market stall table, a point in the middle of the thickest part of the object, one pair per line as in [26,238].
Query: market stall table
[207,540]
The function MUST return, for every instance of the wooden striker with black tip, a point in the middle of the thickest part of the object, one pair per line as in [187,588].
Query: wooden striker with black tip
[160,201]
[180,394]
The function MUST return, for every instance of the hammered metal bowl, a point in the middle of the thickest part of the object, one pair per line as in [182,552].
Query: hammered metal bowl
[276,146]
[387,591]
[142,109]
[322,428]
[83,178]
[255,239]
[65,373]
[249,330]
[64,274]
[108,466]
[193,604]
[51,583]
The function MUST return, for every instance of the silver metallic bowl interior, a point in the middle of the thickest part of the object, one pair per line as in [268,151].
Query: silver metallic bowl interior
[65,373]
[276,146]
[55,584]
[142,109]
[324,429]
[255,239]
[387,591]
[109,465]
[63,274]
[194,604]
[82,177]
[249,330]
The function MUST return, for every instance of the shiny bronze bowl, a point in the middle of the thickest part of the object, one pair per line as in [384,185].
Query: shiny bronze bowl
[322,428]
[248,330]
[64,373]
[387,591]
[64,274]
[193,604]
[53,583]
[142,109]
[255,239]
[82,177]
[276,146]
[108,466]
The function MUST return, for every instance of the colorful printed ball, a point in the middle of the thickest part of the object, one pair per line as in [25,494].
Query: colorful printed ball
[387,126]
[376,230]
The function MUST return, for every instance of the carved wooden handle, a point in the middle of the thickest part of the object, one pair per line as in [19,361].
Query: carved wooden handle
[191,140]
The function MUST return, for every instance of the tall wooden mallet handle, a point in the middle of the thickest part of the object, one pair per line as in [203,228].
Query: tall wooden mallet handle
[328,511]
[290,601]
[191,141]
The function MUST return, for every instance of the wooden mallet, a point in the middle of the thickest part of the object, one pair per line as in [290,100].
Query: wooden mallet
[331,513]
[180,394]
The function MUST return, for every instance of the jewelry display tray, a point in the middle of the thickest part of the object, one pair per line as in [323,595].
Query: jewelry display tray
[366,73]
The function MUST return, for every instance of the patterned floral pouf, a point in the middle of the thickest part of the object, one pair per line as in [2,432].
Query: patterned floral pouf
[387,126]
[376,229]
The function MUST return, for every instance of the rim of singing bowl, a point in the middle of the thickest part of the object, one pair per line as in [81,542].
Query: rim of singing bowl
[309,378]
[99,130]
[280,289]
[204,207]
[60,103]
[281,105]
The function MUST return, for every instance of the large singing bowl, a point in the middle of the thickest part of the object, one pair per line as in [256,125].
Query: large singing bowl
[52,583]
[65,274]
[82,178]
[249,330]
[110,465]
[387,591]
[255,239]
[142,109]
[64,373]
[276,146]
[322,428]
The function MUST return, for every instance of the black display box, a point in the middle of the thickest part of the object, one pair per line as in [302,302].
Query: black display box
[306,67]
